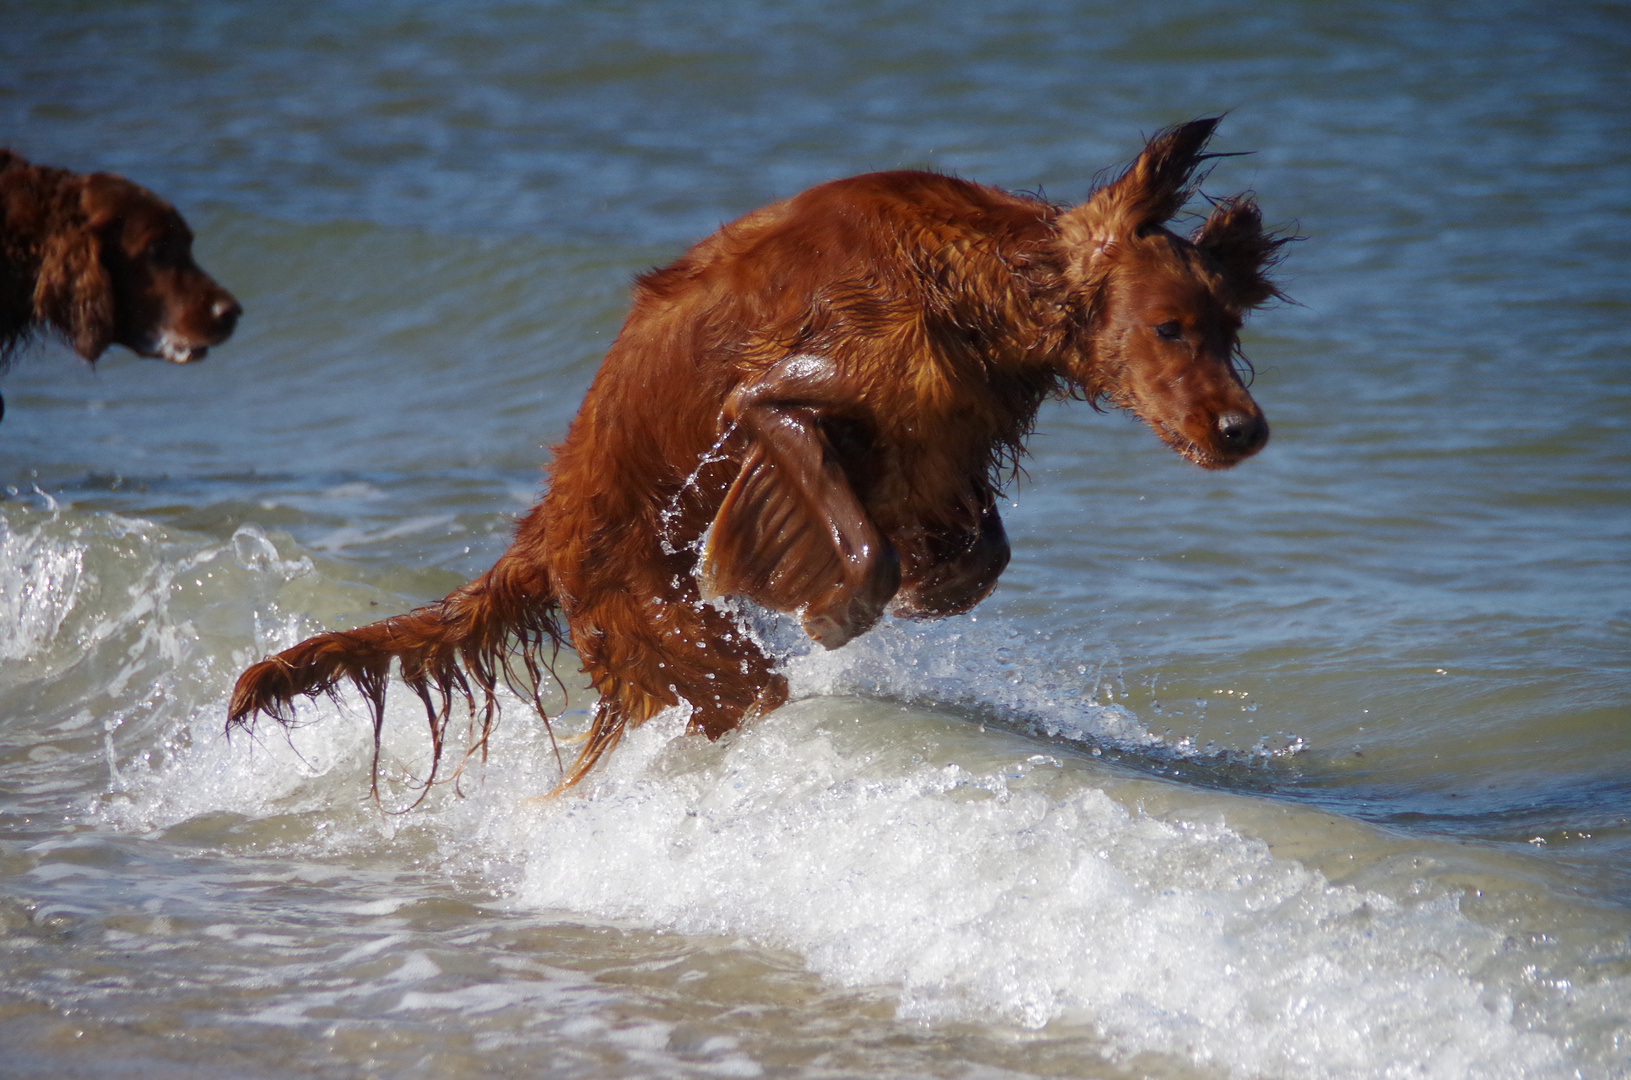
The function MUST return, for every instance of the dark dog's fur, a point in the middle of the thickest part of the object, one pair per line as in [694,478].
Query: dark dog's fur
[812,409]
[101,261]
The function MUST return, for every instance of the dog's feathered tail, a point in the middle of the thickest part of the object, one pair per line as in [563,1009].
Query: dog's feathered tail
[460,647]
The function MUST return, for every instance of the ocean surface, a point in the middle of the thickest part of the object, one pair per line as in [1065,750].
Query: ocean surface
[1320,767]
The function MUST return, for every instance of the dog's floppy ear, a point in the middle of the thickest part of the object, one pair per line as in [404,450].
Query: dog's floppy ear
[74,293]
[1233,236]
[1149,193]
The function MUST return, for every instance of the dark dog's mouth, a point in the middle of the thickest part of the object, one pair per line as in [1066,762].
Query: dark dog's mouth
[173,349]
[187,337]
[179,354]
[185,355]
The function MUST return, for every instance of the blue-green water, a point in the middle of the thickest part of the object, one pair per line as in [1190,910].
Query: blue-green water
[1315,768]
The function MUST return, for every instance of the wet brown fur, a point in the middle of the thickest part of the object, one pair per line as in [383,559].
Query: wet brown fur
[945,313]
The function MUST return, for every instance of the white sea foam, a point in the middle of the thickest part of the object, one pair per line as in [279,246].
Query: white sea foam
[39,587]
[1023,894]
[973,877]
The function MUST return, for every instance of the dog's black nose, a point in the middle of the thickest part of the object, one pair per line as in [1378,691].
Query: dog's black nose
[1242,433]
[226,312]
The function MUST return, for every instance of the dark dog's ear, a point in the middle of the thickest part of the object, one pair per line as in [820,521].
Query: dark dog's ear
[74,293]
[1149,193]
[1233,236]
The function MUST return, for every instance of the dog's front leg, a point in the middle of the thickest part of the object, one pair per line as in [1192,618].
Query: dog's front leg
[791,533]
[950,571]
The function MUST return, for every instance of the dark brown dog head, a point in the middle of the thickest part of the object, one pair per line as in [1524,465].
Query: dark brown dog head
[125,275]
[1164,311]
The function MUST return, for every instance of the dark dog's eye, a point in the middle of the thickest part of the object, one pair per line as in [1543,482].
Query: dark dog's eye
[1169,331]
[166,249]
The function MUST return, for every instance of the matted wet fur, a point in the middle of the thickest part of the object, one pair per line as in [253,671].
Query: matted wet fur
[813,408]
[102,261]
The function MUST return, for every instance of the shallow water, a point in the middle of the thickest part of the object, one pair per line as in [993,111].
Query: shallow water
[1315,768]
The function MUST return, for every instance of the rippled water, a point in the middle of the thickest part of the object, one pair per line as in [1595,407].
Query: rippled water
[1316,768]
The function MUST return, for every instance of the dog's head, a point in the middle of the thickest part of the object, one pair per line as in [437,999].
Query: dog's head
[1164,311]
[126,276]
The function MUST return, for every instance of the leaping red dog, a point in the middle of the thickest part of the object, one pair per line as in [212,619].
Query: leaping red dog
[813,409]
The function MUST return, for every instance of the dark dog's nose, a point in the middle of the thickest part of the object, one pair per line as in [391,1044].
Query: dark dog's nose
[226,312]
[1243,434]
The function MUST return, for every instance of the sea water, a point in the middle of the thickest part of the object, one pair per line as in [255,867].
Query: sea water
[1313,768]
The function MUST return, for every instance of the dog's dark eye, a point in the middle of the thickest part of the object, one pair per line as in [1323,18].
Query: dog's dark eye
[166,249]
[1169,331]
